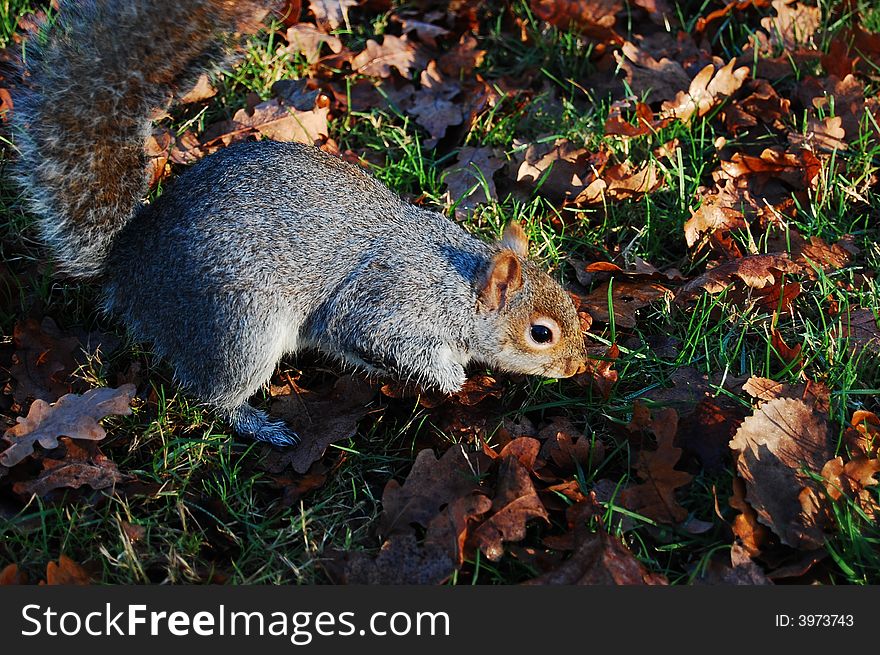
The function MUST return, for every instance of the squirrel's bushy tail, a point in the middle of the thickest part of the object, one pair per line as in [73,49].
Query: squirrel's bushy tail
[82,114]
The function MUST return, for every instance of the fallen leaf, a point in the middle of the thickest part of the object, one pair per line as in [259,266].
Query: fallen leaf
[556,169]
[600,560]
[594,18]
[649,79]
[463,58]
[78,467]
[621,182]
[858,329]
[308,40]
[319,419]
[793,26]
[515,502]
[756,271]
[66,572]
[432,104]
[450,529]
[853,480]
[773,446]
[430,484]
[73,416]
[279,121]
[627,299]
[395,52]
[331,14]
[428,32]
[469,181]
[654,498]
[815,394]
[400,561]
[10,575]
[706,432]
[43,360]
[706,91]
[201,90]
[751,533]
[712,224]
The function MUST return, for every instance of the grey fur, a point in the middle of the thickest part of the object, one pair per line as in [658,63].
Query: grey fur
[267,248]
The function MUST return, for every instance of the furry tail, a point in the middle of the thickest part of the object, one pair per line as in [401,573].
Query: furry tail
[82,114]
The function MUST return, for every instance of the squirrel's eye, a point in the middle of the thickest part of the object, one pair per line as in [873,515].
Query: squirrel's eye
[541,334]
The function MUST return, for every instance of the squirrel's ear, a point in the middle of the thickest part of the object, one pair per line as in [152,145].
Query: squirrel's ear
[514,238]
[504,277]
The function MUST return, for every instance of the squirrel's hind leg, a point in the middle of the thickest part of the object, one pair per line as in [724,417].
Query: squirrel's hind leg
[256,424]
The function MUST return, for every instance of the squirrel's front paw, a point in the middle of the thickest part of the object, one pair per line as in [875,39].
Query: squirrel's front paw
[256,424]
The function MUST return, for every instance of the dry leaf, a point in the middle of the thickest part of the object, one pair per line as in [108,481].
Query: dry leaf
[707,90]
[79,466]
[281,122]
[601,560]
[43,360]
[463,58]
[594,18]
[72,416]
[401,561]
[557,167]
[852,480]
[66,572]
[514,504]
[469,181]
[649,78]
[394,52]
[751,534]
[307,39]
[430,484]
[773,445]
[627,298]
[319,419]
[655,496]
[757,271]
[331,14]
[10,575]
[432,104]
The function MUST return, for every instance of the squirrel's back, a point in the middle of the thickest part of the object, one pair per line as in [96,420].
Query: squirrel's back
[309,228]
[82,114]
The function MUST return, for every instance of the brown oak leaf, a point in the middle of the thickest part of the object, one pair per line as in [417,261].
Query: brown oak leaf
[308,40]
[331,14]
[649,78]
[852,480]
[600,560]
[10,575]
[655,496]
[402,560]
[750,532]
[557,168]
[72,416]
[79,466]
[514,504]
[43,360]
[432,104]
[66,572]
[430,484]
[469,181]
[395,52]
[319,419]
[706,91]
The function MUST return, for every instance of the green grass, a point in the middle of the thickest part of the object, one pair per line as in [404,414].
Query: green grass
[209,512]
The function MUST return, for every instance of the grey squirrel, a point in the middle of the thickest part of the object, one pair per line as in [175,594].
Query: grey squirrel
[264,248]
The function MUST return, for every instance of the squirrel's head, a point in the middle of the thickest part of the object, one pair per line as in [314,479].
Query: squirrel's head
[528,323]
